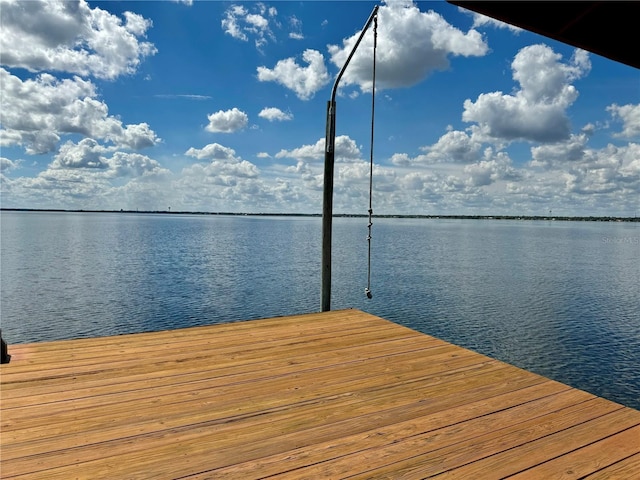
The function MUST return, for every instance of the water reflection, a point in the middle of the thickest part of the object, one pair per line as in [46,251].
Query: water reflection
[557,298]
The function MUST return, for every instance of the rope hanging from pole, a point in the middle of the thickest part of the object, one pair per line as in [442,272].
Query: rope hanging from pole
[329,161]
[367,290]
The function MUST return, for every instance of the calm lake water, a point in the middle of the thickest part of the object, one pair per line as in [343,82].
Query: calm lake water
[556,298]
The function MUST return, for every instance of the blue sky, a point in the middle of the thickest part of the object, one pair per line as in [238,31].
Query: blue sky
[221,106]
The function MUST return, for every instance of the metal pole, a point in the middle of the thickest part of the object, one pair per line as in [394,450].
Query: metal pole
[329,160]
[327,206]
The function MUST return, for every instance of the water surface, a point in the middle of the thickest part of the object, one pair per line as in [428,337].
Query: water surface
[556,298]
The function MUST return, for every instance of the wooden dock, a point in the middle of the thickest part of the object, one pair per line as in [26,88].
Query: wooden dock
[333,395]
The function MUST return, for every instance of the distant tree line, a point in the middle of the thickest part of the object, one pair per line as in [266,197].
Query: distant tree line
[350,215]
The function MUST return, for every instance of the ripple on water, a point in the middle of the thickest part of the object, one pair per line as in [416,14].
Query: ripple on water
[551,298]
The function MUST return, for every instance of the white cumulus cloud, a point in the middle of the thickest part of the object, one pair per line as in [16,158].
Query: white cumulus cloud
[480,21]
[211,152]
[630,117]
[6,164]
[85,154]
[612,170]
[304,81]
[89,156]
[65,36]
[227,121]
[411,44]
[537,111]
[570,150]
[226,172]
[296,28]
[490,169]
[240,23]
[275,114]
[456,147]
[345,150]
[36,113]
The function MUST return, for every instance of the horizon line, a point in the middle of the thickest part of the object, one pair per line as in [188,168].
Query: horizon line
[635,218]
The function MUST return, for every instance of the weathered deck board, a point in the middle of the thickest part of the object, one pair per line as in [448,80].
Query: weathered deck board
[328,395]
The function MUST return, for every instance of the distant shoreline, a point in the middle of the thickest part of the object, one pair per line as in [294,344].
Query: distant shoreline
[343,215]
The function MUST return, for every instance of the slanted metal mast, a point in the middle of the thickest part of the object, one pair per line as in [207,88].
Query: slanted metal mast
[329,160]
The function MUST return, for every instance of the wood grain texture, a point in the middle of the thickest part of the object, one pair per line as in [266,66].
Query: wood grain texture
[340,394]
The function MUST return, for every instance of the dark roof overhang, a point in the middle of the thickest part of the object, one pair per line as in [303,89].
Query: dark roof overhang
[607,28]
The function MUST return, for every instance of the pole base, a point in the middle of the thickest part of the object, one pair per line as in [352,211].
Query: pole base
[4,354]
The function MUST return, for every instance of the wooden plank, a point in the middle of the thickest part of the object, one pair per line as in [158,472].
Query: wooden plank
[335,320]
[232,449]
[231,410]
[431,452]
[278,329]
[401,423]
[316,382]
[233,443]
[40,357]
[531,454]
[204,367]
[324,395]
[307,358]
[592,457]
[622,470]
[217,359]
